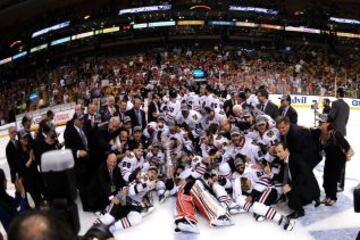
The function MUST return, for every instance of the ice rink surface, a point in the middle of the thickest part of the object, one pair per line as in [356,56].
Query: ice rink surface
[338,222]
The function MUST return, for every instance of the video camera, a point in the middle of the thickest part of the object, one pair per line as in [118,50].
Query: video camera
[57,169]
[314,105]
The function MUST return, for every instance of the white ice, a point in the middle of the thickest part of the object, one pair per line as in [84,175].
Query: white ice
[159,224]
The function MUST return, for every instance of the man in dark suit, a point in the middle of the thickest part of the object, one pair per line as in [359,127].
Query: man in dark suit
[105,184]
[339,113]
[103,138]
[109,109]
[11,154]
[121,109]
[299,141]
[230,103]
[77,141]
[153,108]
[339,116]
[300,185]
[286,110]
[27,122]
[136,114]
[266,106]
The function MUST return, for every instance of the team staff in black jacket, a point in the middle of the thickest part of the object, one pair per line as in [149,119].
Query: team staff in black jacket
[11,148]
[286,110]
[300,185]
[266,106]
[105,184]
[76,140]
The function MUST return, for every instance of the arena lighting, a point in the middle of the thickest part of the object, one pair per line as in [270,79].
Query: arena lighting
[39,48]
[60,41]
[19,55]
[140,25]
[270,26]
[190,22]
[111,29]
[82,35]
[302,29]
[221,23]
[6,60]
[146,9]
[348,35]
[206,7]
[246,24]
[254,9]
[86,17]
[14,43]
[162,24]
[344,20]
[49,29]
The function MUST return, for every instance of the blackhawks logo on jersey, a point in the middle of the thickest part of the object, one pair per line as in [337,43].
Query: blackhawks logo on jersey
[270,133]
[195,117]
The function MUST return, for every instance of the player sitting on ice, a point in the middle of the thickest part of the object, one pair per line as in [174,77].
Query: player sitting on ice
[131,204]
[242,187]
[198,192]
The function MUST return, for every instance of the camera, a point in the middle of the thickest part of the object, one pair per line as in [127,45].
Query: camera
[314,105]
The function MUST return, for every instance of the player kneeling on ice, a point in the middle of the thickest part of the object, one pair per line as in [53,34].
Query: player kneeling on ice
[131,204]
[198,193]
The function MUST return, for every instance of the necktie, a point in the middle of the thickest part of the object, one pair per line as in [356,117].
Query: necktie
[286,174]
[139,117]
[262,107]
[159,136]
[83,138]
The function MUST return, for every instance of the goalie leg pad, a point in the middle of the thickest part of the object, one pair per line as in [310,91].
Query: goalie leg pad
[184,207]
[208,205]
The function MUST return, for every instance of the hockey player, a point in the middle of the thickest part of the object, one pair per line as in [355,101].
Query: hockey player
[244,181]
[190,119]
[211,117]
[198,192]
[242,145]
[129,207]
[172,107]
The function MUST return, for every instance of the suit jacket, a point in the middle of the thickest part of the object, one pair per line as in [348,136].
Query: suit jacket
[134,120]
[41,146]
[300,141]
[103,186]
[228,107]
[101,143]
[271,109]
[303,180]
[74,142]
[291,114]
[11,149]
[106,115]
[339,115]
[151,109]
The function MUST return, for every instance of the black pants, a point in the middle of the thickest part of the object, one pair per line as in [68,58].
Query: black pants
[81,184]
[119,211]
[296,199]
[34,186]
[332,175]
[341,181]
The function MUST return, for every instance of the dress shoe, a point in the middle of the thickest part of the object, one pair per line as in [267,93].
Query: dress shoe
[297,214]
